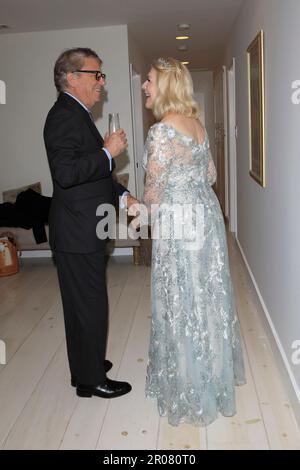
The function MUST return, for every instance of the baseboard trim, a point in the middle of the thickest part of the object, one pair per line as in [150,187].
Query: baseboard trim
[278,350]
[48,253]
[35,254]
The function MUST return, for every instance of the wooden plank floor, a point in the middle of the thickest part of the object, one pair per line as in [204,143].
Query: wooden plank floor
[40,410]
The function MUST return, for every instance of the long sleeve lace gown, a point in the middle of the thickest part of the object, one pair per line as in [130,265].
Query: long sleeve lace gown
[195,355]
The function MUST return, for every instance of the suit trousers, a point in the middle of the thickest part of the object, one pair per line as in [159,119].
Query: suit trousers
[82,280]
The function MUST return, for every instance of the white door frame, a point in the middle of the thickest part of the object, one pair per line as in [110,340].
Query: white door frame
[232,136]
[225,101]
[138,130]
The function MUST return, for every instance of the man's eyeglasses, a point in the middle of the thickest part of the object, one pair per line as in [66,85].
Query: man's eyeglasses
[97,74]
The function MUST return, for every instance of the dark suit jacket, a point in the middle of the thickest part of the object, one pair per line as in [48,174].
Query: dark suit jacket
[81,176]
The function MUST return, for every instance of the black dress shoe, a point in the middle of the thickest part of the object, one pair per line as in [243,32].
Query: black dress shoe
[107,389]
[107,366]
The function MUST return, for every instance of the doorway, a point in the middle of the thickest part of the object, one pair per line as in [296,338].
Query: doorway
[232,136]
[138,130]
[220,139]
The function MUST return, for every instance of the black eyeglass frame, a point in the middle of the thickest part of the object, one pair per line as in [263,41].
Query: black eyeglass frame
[97,73]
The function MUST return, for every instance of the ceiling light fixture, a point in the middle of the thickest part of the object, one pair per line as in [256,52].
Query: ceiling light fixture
[182,38]
[183,26]
[185,62]
[182,47]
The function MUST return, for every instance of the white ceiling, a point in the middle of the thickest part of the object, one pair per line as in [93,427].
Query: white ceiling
[152,23]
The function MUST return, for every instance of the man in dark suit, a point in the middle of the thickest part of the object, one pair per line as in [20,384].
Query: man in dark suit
[81,165]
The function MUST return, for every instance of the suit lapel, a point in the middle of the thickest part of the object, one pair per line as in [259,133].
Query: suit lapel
[72,103]
[97,134]
[67,100]
[92,127]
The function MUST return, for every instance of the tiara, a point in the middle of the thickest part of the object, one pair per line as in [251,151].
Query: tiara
[164,63]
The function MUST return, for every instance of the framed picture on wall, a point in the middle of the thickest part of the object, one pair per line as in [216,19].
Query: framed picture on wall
[256,94]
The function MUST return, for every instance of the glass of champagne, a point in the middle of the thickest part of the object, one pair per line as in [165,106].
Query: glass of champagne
[113,122]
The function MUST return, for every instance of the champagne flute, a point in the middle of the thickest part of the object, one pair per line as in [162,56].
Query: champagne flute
[113,122]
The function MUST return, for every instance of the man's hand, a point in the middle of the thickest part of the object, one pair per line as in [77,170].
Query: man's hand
[116,142]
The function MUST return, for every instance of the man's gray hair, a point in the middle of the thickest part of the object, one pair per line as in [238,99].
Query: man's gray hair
[69,61]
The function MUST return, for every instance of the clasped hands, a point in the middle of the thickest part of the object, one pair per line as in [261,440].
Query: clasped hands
[132,205]
[138,211]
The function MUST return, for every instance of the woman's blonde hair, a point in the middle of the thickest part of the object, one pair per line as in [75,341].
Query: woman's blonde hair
[175,89]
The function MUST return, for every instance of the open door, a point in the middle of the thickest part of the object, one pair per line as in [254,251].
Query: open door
[220,139]
[232,136]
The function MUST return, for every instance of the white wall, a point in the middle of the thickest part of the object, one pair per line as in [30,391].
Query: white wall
[27,62]
[268,219]
[141,65]
[203,83]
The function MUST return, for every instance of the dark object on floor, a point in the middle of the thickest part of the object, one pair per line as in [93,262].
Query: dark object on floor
[30,210]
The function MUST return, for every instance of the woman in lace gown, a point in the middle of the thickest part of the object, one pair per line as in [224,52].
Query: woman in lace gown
[195,355]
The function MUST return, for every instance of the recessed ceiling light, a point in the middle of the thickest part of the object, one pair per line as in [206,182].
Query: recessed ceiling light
[183,26]
[182,47]
[4,26]
[182,38]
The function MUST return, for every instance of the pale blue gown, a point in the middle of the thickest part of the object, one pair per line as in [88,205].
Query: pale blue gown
[195,354]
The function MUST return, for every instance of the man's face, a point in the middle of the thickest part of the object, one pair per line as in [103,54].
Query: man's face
[85,86]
